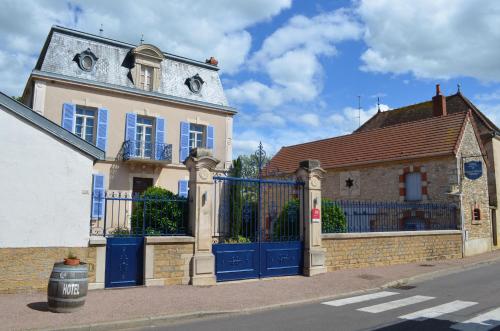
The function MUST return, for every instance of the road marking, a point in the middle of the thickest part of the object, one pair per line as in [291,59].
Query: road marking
[359,298]
[436,311]
[486,321]
[395,304]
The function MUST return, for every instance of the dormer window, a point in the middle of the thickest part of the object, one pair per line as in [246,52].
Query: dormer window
[146,71]
[146,80]
[86,60]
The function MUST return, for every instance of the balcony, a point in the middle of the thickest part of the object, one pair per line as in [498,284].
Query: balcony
[144,152]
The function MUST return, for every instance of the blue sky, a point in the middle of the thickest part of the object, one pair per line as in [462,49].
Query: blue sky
[293,69]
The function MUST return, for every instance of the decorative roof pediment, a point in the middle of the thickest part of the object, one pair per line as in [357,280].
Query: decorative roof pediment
[148,51]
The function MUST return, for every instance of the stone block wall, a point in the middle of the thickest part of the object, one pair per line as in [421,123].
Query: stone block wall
[358,250]
[28,269]
[169,260]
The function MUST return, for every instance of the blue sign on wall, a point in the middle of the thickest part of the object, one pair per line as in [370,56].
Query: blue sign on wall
[473,169]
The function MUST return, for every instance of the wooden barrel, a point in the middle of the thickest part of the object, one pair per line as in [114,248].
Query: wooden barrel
[67,287]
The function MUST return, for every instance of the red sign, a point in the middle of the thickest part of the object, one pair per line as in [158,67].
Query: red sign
[315,215]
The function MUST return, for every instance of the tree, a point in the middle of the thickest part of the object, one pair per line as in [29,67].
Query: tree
[18,99]
[250,165]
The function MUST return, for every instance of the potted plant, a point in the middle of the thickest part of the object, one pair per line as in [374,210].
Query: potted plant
[71,259]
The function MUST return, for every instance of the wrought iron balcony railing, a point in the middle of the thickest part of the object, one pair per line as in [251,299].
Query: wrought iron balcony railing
[140,150]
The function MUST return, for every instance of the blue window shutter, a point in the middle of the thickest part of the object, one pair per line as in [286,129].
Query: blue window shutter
[183,188]
[102,128]
[210,138]
[97,196]
[68,116]
[130,127]
[413,186]
[160,138]
[184,142]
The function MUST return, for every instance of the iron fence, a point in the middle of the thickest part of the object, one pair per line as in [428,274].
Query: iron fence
[257,210]
[133,149]
[359,216]
[125,214]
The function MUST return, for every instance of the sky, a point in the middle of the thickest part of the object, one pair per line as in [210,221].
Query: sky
[295,70]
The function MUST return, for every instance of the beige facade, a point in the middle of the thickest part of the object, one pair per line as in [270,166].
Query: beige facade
[119,174]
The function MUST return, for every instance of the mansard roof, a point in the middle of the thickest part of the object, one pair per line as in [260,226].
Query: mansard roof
[112,67]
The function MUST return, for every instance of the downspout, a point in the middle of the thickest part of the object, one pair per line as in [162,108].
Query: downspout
[462,222]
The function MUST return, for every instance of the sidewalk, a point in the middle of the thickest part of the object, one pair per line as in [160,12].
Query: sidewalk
[141,306]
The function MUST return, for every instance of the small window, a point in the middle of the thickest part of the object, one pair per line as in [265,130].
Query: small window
[144,137]
[197,136]
[477,214]
[413,186]
[85,124]
[146,81]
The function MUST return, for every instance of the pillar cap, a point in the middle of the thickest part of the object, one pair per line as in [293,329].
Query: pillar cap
[310,164]
[200,152]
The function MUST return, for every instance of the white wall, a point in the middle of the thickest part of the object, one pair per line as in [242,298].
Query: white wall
[45,188]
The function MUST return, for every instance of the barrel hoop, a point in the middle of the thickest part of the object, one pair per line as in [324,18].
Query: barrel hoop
[69,279]
[67,300]
[70,270]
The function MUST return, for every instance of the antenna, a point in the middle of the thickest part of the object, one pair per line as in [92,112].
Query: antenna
[458,88]
[101,30]
[359,111]
[378,104]
[142,38]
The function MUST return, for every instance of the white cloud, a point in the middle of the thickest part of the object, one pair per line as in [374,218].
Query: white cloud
[290,56]
[195,29]
[493,96]
[256,93]
[309,120]
[492,111]
[432,38]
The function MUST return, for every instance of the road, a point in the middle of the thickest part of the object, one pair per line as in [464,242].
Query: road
[469,300]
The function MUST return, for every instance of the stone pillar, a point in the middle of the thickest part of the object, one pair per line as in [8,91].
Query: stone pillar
[201,164]
[311,173]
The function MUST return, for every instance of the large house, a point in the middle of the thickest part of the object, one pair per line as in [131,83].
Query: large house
[145,108]
[433,152]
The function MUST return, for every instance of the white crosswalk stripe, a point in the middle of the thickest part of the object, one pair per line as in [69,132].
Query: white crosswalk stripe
[395,304]
[437,311]
[359,298]
[483,322]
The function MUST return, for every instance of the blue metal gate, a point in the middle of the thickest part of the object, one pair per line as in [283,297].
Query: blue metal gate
[125,220]
[124,261]
[258,232]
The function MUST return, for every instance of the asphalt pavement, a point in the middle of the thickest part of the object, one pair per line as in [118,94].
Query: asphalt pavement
[469,300]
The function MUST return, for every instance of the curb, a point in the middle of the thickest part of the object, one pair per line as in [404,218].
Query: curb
[155,321]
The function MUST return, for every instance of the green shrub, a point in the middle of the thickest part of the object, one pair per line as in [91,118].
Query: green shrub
[332,217]
[237,240]
[163,211]
[287,226]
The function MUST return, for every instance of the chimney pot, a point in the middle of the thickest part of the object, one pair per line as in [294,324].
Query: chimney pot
[438,89]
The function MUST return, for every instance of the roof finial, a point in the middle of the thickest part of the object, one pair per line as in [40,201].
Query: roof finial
[142,38]
[101,30]
[458,88]
[378,104]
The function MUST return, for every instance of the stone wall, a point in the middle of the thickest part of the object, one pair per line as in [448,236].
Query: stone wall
[168,260]
[475,196]
[381,182]
[357,250]
[28,269]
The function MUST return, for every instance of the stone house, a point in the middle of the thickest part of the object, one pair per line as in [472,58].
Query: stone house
[420,161]
[145,108]
[41,164]
[488,132]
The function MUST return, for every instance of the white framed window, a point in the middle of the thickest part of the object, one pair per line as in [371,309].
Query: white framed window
[197,134]
[144,137]
[413,186]
[146,80]
[85,123]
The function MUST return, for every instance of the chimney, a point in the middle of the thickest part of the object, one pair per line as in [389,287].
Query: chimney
[439,103]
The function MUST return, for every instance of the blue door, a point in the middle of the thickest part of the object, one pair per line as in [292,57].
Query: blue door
[124,261]
[281,258]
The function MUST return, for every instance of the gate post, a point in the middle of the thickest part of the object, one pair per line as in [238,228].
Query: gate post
[311,174]
[201,164]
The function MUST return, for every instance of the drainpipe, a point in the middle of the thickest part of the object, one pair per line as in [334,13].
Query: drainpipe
[462,224]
